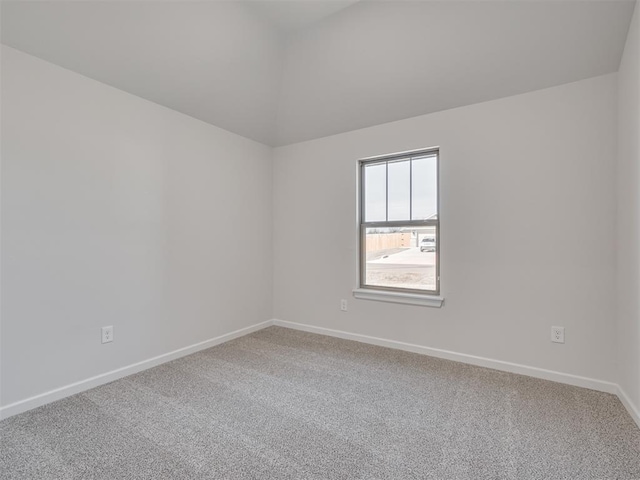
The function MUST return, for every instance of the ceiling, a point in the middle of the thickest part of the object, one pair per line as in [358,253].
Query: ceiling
[290,15]
[281,72]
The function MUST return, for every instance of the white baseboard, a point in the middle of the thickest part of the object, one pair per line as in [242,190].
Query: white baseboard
[633,410]
[83,385]
[578,381]
[567,378]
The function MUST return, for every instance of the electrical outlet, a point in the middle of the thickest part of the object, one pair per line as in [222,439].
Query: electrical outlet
[107,334]
[343,305]
[557,334]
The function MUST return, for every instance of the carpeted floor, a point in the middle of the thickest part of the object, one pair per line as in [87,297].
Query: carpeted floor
[282,404]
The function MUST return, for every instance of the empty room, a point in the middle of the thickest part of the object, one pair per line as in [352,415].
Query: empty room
[320,239]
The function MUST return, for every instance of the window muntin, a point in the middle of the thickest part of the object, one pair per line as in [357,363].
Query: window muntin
[399,223]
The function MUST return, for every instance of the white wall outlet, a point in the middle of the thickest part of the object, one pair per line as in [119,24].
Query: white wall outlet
[557,334]
[107,334]
[343,305]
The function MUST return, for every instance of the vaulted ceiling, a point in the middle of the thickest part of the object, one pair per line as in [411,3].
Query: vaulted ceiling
[281,72]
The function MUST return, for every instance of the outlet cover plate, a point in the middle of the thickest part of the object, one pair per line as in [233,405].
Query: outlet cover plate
[107,334]
[557,334]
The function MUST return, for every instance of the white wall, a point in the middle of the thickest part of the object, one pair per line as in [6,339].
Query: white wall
[117,211]
[528,230]
[628,246]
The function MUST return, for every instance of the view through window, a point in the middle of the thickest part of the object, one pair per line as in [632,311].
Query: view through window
[399,224]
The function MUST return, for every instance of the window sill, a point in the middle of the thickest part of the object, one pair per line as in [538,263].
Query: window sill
[399,297]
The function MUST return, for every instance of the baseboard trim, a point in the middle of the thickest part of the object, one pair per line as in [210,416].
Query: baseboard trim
[554,376]
[578,381]
[83,385]
[633,410]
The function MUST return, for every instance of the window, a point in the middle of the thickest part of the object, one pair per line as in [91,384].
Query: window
[399,225]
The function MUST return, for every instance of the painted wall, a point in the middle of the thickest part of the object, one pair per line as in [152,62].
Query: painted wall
[528,234]
[117,211]
[628,241]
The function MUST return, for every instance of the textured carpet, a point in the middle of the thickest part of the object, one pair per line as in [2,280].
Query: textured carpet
[282,404]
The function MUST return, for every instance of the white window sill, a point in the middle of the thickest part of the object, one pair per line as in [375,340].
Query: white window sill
[399,297]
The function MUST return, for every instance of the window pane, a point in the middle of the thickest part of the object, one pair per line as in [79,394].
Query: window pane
[401,257]
[424,190]
[375,192]
[399,190]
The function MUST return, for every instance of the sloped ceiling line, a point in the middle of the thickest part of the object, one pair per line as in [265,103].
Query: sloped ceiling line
[280,72]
